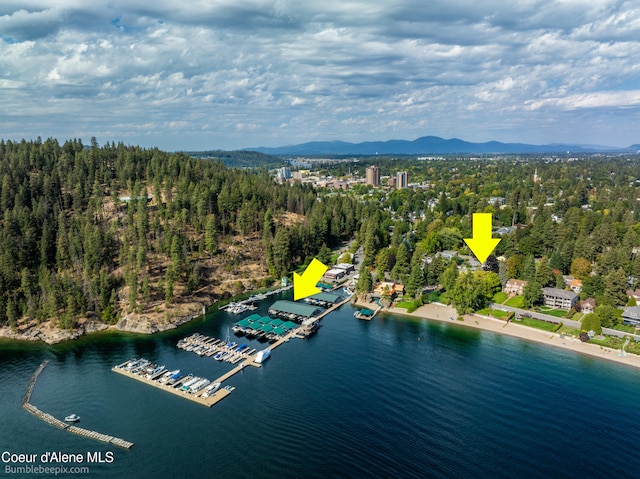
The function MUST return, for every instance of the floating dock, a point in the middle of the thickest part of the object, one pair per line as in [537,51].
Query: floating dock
[49,419]
[219,395]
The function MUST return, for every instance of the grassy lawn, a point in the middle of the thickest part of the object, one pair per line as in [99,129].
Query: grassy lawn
[624,327]
[516,302]
[568,330]
[616,343]
[493,312]
[499,297]
[558,313]
[536,323]
[404,304]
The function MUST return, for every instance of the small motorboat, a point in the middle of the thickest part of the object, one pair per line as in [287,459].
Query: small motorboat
[72,418]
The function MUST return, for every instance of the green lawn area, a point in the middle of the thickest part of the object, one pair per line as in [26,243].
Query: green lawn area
[404,304]
[558,313]
[616,343]
[624,327]
[568,330]
[500,297]
[516,302]
[493,312]
[536,323]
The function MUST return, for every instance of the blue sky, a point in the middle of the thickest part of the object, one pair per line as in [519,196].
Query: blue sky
[244,73]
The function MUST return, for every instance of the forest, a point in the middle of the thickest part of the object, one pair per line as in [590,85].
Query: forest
[100,231]
[104,231]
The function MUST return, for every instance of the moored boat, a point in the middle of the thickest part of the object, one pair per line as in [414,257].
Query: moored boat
[72,418]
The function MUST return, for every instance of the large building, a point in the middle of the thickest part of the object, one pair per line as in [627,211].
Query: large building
[284,173]
[402,180]
[515,286]
[373,175]
[559,298]
[631,316]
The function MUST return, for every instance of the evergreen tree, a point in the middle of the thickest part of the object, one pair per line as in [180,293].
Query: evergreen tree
[544,273]
[616,287]
[415,281]
[529,269]
[365,281]
[401,270]
[532,293]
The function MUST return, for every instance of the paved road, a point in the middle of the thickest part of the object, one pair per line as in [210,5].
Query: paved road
[568,322]
[535,315]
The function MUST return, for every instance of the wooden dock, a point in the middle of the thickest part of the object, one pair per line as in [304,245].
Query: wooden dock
[218,396]
[49,419]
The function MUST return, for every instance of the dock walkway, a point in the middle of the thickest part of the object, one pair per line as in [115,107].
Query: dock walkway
[220,394]
[49,419]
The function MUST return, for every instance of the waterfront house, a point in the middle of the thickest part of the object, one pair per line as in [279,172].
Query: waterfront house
[631,316]
[559,298]
[588,305]
[515,286]
[391,287]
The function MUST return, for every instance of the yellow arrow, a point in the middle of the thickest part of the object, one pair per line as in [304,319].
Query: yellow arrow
[305,285]
[482,244]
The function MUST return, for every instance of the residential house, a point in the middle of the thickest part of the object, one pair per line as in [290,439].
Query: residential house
[631,316]
[559,298]
[634,294]
[391,287]
[515,286]
[588,305]
[576,285]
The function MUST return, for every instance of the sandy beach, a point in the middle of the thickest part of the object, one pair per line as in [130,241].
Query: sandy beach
[441,312]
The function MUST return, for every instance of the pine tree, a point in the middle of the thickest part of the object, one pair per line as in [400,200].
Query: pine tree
[529,269]
[415,281]
[365,281]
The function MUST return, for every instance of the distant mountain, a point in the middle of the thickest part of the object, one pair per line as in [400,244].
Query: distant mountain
[430,145]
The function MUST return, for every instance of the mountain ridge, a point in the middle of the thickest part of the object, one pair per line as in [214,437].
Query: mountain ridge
[432,145]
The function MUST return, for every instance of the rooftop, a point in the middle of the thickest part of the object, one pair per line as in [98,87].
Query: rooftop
[290,307]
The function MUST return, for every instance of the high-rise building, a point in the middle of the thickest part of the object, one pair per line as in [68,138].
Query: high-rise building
[284,173]
[373,175]
[402,180]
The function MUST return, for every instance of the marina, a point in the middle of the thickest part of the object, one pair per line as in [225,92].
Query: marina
[207,392]
[227,351]
[239,307]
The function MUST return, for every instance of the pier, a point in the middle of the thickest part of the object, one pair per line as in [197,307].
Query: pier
[49,419]
[216,397]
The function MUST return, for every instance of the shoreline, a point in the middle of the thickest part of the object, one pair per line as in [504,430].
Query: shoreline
[46,334]
[443,313]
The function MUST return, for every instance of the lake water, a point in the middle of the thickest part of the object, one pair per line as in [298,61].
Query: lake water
[393,397]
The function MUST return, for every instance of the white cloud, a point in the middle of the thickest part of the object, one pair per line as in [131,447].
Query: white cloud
[286,72]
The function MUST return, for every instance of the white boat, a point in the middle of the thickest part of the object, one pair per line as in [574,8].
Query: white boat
[168,375]
[186,386]
[262,355]
[210,389]
[72,418]
[199,385]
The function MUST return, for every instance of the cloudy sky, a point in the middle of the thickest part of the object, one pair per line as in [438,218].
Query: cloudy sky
[204,74]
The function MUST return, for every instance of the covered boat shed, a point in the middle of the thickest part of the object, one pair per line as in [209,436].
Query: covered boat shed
[325,300]
[293,311]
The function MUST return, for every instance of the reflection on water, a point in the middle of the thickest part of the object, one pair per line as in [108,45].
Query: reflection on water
[393,397]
